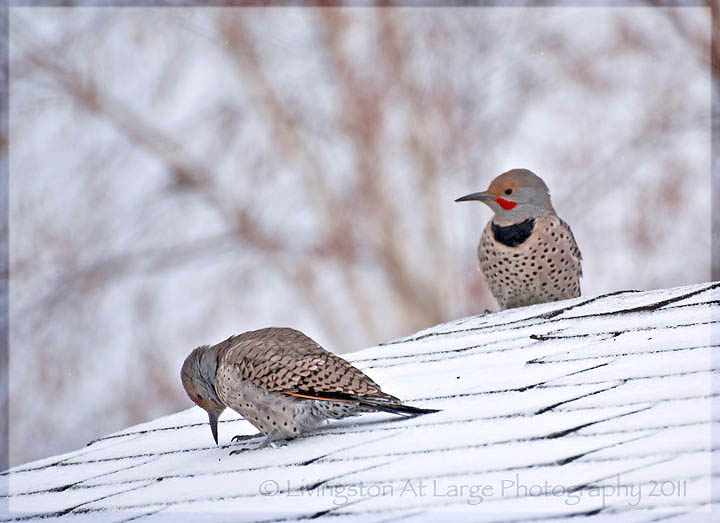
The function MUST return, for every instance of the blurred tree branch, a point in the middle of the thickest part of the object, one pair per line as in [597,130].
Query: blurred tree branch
[310,179]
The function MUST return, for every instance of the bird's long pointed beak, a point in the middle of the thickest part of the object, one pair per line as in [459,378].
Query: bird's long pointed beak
[483,196]
[213,425]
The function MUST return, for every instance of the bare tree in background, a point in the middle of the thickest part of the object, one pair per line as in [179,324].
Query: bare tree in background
[298,167]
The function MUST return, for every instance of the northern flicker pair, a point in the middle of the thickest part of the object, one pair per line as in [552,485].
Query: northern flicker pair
[527,253]
[285,384]
[282,382]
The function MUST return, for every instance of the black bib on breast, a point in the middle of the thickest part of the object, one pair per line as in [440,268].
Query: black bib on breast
[513,235]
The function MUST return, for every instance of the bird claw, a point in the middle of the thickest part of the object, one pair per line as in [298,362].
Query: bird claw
[268,441]
[242,437]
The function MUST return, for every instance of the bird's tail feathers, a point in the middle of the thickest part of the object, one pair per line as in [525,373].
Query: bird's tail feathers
[389,404]
[395,408]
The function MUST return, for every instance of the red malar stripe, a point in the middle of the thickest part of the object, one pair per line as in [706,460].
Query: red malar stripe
[505,204]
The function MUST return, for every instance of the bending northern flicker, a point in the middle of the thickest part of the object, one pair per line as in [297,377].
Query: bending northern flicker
[527,253]
[282,382]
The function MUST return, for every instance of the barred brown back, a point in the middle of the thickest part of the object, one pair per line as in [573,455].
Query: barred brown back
[286,360]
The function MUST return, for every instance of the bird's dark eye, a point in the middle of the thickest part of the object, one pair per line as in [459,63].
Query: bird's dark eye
[508,191]
[199,397]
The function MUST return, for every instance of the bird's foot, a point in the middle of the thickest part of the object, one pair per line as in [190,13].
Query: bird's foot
[269,441]
[242,437]
[274,443]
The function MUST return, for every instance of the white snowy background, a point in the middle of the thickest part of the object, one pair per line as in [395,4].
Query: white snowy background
[180,175]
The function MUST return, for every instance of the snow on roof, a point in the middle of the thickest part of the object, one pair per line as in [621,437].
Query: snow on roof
[589,406]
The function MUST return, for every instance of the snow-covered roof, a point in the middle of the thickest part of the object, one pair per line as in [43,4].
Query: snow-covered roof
[589,406]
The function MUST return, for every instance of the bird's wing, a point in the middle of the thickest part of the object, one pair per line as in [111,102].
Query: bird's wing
[285,360]
[575,250]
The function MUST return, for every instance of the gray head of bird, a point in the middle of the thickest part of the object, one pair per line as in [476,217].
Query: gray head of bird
[515,196]
[198,378]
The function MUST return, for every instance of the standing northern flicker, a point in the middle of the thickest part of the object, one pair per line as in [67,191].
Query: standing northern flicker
[527,253]
[282,382]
